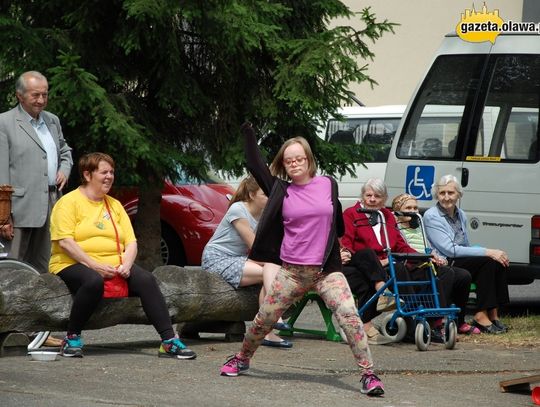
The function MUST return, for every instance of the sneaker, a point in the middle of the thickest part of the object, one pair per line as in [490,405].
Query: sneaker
[387,301]
[72,346]
[376,338]
[371,385]
[234,366]
[174,348]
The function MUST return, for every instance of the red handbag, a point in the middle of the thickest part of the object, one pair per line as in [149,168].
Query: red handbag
[117,286]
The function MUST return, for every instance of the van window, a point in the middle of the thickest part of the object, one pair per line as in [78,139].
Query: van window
[512,108]
[375,133]
[433,125]
[443,124]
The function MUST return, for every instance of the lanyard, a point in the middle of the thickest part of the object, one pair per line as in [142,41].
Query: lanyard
[115,230]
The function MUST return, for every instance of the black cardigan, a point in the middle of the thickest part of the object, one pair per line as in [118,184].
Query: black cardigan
[267,244]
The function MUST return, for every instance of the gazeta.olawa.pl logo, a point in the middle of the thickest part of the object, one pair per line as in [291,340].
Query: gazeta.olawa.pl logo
[481,26]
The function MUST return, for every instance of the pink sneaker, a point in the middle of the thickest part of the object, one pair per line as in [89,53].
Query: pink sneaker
[234,366]
[371,385]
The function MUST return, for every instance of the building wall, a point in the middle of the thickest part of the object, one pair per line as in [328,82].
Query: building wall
[402,59]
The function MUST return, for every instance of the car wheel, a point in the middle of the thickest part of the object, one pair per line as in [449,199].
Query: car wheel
[172,250]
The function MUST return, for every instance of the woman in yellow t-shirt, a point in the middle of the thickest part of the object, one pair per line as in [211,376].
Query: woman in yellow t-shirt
[93,240]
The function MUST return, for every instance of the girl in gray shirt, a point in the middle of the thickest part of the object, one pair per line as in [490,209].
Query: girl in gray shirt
[226,252]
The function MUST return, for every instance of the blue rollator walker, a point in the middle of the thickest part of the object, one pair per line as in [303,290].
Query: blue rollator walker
[421,305]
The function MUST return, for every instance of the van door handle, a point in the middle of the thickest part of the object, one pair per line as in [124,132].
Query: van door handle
[464,177]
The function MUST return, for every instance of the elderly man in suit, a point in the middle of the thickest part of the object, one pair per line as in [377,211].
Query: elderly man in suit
[36,161]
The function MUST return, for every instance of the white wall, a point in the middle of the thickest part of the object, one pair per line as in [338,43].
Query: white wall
[402,59]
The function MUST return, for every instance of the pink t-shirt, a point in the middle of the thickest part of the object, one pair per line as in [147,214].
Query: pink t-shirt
[307,218]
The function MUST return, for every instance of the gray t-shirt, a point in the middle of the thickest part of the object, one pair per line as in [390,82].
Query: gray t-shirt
[226,238]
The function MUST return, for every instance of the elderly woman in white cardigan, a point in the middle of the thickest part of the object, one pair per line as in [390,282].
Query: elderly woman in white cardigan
[446,231]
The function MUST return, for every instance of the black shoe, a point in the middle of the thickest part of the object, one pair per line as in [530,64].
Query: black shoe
[489,329]
[437,335]
[499,325]
[285,344]
[282,326]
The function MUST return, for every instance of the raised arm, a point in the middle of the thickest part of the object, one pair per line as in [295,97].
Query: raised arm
[254,160]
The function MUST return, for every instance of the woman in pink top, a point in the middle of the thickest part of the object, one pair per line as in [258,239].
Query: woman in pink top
[299,229]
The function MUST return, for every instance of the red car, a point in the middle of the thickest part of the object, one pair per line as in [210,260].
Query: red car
[190,213]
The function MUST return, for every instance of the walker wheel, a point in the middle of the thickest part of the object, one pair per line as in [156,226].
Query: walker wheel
[450,334]
[422,335]
[397,331]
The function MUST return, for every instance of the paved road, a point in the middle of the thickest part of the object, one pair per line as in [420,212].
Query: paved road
[120,368]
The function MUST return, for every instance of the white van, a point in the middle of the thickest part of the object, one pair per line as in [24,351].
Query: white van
[487,137]
[374,127]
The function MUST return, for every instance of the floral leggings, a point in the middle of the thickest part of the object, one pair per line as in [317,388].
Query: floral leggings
[289,286]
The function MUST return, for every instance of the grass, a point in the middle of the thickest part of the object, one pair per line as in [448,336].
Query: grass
[524,331]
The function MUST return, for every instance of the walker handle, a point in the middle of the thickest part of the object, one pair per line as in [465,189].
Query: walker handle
[366,210]
[411,214]
[412,256]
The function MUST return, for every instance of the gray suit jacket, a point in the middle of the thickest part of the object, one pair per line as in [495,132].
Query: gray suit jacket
[23,165]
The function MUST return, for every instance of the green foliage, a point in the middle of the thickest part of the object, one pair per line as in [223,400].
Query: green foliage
[158,83]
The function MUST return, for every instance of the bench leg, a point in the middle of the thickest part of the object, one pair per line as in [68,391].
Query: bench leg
[329,333]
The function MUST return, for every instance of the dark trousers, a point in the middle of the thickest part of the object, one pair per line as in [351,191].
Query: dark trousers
[454,286]
[86,285]
[362,273]
[490,279]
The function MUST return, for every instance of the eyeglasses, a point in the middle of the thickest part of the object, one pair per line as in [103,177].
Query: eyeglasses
[298,161]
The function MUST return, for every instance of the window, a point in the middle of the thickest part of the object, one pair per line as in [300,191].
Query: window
[376,133]
[432,128]
[455,116]
[512,109]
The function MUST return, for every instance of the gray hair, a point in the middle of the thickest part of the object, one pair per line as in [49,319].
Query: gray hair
[20,84]
[445,180]
[377,185]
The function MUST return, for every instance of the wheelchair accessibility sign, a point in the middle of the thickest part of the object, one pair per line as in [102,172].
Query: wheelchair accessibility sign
[419,181]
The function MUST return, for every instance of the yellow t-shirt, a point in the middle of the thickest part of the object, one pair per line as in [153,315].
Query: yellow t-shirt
[89,224]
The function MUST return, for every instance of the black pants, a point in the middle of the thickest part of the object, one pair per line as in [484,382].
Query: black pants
[454,286]
[364,270]
[86,285]
[490,279]
[362,273]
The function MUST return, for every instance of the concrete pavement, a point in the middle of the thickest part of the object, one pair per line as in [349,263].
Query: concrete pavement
[120,368]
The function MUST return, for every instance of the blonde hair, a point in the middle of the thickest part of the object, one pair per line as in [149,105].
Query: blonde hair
[248,186]
[278,168]
[400,200]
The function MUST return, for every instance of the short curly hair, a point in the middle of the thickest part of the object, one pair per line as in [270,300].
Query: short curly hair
[445,180]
